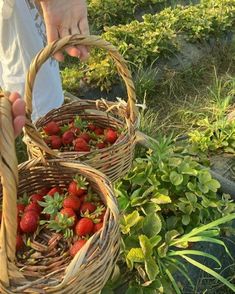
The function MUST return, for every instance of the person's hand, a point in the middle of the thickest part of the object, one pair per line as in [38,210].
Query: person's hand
[66,17]
[18,112]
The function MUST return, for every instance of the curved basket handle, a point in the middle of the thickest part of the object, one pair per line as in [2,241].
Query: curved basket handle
[9,180]
[75,40]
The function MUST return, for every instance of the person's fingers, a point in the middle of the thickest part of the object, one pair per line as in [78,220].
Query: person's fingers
[19,122]
[14,96]
[72,51]
[52,35]
[84,30]
[84,54]
[83,26]
[18,107]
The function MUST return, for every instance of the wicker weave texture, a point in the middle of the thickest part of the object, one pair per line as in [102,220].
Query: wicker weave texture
[51,269]
[114,161]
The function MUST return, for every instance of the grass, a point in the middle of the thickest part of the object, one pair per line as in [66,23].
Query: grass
[206,89]
[208,285]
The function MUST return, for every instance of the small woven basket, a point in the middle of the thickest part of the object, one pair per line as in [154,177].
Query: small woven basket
[114,161]
[51,269]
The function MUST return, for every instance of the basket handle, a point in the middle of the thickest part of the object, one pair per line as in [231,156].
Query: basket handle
[9,181]
[75,40]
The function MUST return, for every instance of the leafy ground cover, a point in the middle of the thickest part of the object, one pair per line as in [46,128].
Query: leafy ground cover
[159,35]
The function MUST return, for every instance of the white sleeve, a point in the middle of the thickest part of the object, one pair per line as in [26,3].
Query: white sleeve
[6,8]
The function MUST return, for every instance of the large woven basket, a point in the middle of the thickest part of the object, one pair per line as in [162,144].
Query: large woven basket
[114,161]
[51,269]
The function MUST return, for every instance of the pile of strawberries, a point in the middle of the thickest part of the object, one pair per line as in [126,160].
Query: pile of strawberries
[78,135]
[76,212]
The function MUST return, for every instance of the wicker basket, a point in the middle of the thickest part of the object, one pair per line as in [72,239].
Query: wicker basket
[114,161]
[51,269]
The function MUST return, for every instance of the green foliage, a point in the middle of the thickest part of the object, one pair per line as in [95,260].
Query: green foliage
[212,132]
[217,136]
[141,43]
[152,254]
[62,224]
[145,82]
[71,78]
[175,186]
[167,202]
[104,13]
[52,205]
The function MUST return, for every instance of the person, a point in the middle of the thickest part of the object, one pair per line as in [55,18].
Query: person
[23,34]
[18,112]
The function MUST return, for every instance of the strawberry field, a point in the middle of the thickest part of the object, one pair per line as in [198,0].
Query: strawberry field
[176,203]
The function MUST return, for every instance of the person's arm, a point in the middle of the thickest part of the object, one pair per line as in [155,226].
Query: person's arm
[66,17]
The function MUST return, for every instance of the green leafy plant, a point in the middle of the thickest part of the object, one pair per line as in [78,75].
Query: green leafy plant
[153,255]
[105,13]
[71,77]
[213,133]
[175,185]
[165,201]
[217,136]
[141,43]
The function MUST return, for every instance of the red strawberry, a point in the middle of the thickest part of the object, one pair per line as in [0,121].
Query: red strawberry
[68,137]
[81,145]
[18,223]
[87,206]
[54,190]
[100,145]
[29,221]
[78,186]
[84,227]
[51,128]
[91,127]
[99,131]
[47,140]
[75,130]
[56,142]
[110,136]
[33,206]
[72,202]
[69,212]
[77,246]
[19,242]
[43,191]
[97,227]
[86,137]
[20,208]
[36,198]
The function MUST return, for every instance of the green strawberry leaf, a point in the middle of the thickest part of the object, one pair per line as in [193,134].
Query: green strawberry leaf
[175,178]
[152,225]
[151,268]
[186,219]
[191,197]
[213,185]
[204,177]
[161,199]
[146,245]
[135,255]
